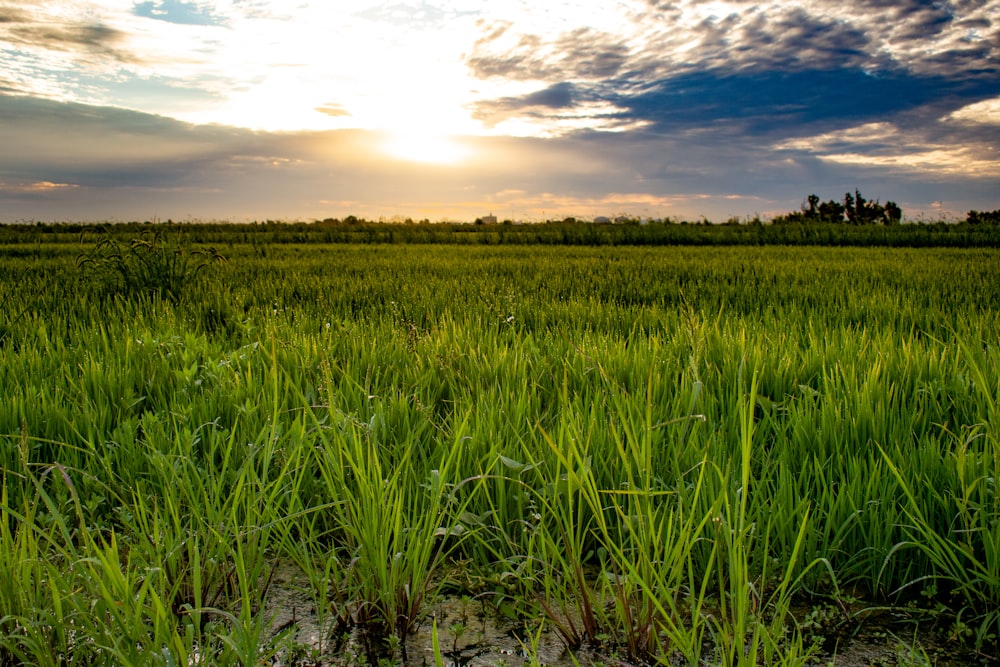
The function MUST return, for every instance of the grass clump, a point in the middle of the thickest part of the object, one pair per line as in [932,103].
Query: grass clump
[151,264]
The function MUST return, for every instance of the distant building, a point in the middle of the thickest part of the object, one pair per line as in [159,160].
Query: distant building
[489,219]
[602,219]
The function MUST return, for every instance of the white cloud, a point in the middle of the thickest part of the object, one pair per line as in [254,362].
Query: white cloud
[887,146]
[942,161]
[881,133]
[986,112]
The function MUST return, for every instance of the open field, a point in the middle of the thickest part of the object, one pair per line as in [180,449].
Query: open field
[699,233]
[662,455]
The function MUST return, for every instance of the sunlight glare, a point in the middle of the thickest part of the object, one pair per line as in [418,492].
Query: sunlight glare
[430,148]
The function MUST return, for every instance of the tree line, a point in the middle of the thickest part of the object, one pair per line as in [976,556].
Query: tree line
[29,240]
[854,209]
[983,217]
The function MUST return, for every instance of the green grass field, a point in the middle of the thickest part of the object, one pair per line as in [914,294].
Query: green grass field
[656,453]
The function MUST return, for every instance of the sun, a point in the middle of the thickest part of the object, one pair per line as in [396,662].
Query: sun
[429,147]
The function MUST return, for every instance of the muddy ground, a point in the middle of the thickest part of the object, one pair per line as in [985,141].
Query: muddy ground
[470,635]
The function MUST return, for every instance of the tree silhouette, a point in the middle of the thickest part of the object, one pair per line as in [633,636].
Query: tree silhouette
[983,217]
[854,207]
[811,212]
[831,211]
[861,211]
[893,214]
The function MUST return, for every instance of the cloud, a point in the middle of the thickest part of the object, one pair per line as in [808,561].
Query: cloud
[789,40]
[557,96]
[420,15]
[12,15]
[793,63]
[125,164]
[333,109]
[958,145]
[553,111]
[48,51]
[764,99]
[781,101]
[37,186]
[119,164]
[986,112]
[944,161]
[98,146]
[93,38]
[28,25]
[582,53]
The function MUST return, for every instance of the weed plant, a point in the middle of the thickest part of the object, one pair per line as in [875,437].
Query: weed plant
[651,451]
[151,263]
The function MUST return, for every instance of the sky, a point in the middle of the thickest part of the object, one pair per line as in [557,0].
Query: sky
[527,109]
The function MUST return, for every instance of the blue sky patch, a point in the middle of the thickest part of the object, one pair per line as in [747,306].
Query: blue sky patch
[175,11]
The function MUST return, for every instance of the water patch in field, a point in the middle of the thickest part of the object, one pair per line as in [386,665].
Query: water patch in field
[470,634]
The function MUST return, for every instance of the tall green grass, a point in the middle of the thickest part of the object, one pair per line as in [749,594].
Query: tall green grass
[649,451]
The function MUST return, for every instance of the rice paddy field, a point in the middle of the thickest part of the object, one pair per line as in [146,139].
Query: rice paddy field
[268,453]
